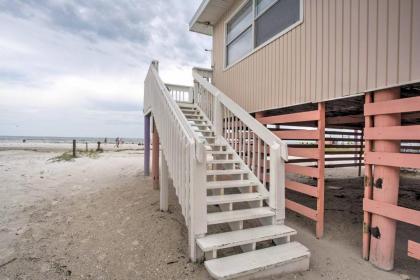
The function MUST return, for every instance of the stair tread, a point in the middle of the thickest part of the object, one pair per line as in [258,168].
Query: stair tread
[255,261]
[221,152]
[239,197]
[239,215]
[227,172]
[197,124]
[231,184]
[244,236]
[222,161]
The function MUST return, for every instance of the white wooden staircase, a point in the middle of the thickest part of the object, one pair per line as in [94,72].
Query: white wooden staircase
[235,223]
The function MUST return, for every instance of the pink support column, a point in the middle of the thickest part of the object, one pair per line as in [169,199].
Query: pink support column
[385,188]
[367,217]
[320,205]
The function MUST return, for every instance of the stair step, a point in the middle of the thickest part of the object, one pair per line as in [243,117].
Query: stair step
[189,110]
[244,236]
[203,130]
[239,215]
[223,161]
[221,152]
[232,198]
[227,172]
[277,260]
[200,125]
[187,105]
[231,184]
[192,115]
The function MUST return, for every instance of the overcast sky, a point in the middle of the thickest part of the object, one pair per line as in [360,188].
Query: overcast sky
[77,67]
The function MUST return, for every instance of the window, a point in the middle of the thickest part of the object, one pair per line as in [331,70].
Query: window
[256,22]
[239,34]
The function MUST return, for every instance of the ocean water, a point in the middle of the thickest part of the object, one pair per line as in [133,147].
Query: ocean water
[49,139]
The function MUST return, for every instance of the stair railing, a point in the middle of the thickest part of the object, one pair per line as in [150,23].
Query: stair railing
[184,153]
[258,147]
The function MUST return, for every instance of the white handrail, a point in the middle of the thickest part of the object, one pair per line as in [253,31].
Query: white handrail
[183,152]
[255,144]
[265,134]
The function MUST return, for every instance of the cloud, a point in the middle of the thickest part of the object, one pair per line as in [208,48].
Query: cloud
[87,60]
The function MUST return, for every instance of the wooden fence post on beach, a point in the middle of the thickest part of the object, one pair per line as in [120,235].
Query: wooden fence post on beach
[74,148]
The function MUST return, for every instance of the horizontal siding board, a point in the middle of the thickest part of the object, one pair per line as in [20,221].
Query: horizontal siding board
[343,47]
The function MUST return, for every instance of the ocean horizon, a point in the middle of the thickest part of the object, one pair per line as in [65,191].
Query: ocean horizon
[59,139]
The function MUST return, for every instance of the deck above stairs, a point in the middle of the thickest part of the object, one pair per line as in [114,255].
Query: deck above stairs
[237,197]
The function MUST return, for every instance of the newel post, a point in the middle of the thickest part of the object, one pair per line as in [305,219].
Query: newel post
[217,119]
[198,198]
[277,183]
[155,63]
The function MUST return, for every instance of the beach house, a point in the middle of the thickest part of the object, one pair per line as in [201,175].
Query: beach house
[295,87]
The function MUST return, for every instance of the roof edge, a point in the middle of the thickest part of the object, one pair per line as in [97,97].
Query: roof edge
[200,27]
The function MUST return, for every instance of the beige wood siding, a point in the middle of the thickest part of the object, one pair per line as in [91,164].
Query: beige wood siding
[343,47]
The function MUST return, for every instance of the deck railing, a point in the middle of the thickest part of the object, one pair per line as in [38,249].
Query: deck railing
[258,147]
[183,152]
[181,93]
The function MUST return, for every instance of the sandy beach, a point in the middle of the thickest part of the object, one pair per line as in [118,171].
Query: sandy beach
[98,218]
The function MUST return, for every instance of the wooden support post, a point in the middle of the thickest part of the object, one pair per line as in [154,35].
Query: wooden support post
[386,184]
[155,157]
[74,148]
[164,184]
[99,146]
[147,145]
[321,171]
[368,182]
[87,149]
[360,154]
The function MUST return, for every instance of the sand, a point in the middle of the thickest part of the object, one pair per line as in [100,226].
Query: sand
[99,218]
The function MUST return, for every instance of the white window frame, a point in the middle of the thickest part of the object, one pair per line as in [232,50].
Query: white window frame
[254,18]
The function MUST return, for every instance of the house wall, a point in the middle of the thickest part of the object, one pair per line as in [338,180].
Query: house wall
[342,48]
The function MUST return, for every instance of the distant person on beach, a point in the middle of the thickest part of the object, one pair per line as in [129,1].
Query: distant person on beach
[106,140]
[117,142]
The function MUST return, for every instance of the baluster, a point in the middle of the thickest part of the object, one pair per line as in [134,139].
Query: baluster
[254,147]
[224,122]
[234,132]
[249,148]
[259,159]
[240,138]
[265,165]
[230,128]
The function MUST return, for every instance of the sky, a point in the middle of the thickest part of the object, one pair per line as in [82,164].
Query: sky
[77,68]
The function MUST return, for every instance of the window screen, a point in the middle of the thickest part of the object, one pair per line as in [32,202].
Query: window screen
[240,46]
[261,5]
[239,34]
[277,18]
